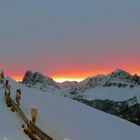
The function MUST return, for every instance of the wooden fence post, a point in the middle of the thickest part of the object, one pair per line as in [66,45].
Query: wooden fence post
[2,77]
[33,114]
[29,127]
[18,96]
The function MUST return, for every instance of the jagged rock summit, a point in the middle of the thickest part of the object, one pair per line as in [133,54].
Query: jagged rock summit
[38,80]
[118,78]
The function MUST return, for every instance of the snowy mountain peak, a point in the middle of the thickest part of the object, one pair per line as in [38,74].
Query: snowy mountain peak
[118,78]
[38,80]
[91,82]
[27,77]
[118,73]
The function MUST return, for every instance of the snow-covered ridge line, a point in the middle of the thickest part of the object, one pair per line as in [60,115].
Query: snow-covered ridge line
[118,78]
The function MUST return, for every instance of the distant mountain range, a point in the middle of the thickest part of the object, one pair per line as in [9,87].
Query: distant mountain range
[118,78]
[98,91]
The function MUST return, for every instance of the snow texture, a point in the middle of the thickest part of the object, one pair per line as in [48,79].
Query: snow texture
[64,118]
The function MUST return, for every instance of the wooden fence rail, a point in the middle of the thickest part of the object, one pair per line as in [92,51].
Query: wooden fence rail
[20,112]
[40,133]
[34,132]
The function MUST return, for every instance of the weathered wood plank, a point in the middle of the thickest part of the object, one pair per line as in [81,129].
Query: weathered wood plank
[8,101]
[39,132]
[30,134]
[20,112]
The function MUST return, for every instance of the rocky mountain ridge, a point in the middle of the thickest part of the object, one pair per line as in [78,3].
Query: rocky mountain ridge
[38,80]
[118,78]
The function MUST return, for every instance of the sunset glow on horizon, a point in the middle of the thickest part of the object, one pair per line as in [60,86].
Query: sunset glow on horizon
[70,77]
[63,79]
[17,77]
[69,40]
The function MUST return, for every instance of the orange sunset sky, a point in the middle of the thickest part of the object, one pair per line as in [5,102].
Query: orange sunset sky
[69,40]
[77,76]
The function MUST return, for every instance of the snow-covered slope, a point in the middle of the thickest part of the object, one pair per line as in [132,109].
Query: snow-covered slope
[10,125]
[112,93]
[76,121]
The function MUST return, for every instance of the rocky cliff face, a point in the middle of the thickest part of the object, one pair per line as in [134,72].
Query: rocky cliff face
[118,78]
[37,80]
